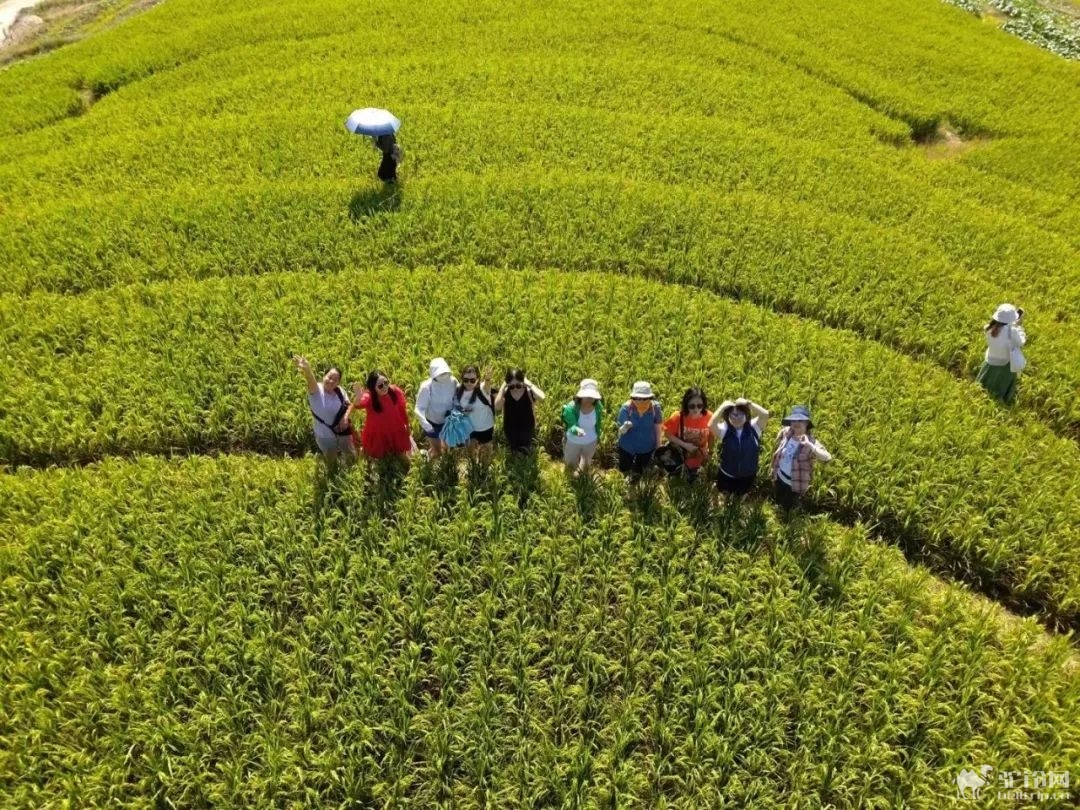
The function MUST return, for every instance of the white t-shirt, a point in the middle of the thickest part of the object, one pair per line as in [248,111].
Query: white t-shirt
[787,457]
[481,416]
[326,405]
[587,422]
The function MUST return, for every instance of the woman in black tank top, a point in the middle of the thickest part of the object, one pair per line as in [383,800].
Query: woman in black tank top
[515,399]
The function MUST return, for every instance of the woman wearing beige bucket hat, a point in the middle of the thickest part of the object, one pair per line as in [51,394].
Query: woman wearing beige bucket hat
[1004,359]
[582,417]
[641,429]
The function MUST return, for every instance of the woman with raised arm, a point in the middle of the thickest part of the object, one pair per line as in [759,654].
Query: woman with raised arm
[737,427]
[1004,359]
[796,453]
[386,423]
[329,407]
[434,401]
[473,398]
[515,401]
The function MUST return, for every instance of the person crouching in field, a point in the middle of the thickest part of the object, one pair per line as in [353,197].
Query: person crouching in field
[688,430]
[582,416]
[793,462]
[1004,360]
[641,427]
[386,421]
[434,401]
[737,427]
[515,401]
[329,409]
[473,398]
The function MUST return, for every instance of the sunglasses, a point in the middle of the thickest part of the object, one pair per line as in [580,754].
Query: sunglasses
[468,380]
[382,384]
[695,406]
[516,386]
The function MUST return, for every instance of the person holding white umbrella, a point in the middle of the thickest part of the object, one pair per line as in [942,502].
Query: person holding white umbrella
[381,126]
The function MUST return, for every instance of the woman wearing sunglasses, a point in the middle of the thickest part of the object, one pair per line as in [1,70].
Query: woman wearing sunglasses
[515,400]
[737,427]
[688,430]
[473,398]
[386,420]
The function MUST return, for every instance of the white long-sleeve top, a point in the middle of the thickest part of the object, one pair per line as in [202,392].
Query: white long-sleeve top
[434,401]
[999,348]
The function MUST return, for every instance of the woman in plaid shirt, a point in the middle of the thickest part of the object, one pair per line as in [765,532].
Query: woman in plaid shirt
[793,461]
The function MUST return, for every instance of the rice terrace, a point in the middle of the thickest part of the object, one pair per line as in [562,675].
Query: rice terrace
[708,430]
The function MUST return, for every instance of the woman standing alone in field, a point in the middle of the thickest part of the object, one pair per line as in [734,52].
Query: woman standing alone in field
[329,408]
[515,400]
[1004,360]
[386,423]
[793,461]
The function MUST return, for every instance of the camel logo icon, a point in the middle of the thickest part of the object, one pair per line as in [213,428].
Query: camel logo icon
[971,779]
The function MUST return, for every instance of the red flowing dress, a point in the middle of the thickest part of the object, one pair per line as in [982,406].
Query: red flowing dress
[385,433]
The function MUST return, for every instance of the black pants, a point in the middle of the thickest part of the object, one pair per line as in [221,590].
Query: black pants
[388,168]
[785,496]
[735,486]
[634,463]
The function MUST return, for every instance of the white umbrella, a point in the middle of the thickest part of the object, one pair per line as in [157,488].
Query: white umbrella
[372,121]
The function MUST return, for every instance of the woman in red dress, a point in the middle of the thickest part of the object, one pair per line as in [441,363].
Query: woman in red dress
[386,421]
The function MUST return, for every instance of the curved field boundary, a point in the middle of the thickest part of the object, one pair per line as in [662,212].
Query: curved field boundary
[990,498]
[837,270]
[499,637]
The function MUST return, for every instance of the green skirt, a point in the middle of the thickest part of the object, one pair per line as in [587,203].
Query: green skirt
[999,381]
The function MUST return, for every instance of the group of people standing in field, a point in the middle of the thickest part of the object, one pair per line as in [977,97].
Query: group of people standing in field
[462,412]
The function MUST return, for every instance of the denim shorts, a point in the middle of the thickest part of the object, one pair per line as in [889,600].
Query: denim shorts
[434,432]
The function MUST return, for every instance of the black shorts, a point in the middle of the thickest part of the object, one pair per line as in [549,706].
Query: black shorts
[483,436]
[735,486]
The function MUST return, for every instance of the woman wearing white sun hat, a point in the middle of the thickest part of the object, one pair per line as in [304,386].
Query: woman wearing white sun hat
[582,417]
[1004,359]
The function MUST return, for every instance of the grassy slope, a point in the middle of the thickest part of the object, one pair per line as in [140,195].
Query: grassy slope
[259,641]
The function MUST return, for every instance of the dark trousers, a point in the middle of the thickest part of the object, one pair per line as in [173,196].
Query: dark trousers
[735,486]
[785,496]
[388,168]
[634,463]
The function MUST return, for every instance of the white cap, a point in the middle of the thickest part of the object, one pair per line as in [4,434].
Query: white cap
[641,390]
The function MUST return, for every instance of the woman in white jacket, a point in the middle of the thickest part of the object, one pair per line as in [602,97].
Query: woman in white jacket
[1004,360]
[434,401]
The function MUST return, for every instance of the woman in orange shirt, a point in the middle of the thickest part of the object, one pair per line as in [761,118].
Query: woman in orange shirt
[688,429]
